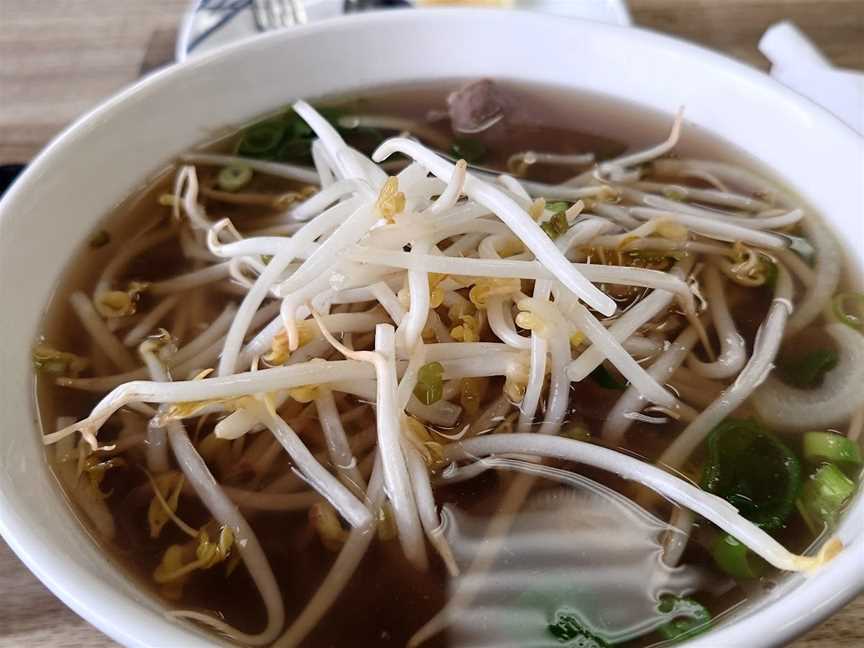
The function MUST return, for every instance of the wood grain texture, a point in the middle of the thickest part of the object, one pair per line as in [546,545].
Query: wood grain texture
[58,59]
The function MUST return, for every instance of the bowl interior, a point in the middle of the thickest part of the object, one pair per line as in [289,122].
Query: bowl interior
[96,163]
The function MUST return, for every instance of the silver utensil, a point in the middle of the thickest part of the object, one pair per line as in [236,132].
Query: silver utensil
[277,14]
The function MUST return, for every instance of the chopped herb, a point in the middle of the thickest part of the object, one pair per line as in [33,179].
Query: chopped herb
[691,618]
[262,140]
[809,371]
[567,629]
[823,497]
[736,559]
[100,239]
[430,383]
[295,150]
[829,447]
[284,138]
[234,177]
[602,376]
[752,470]
[470,150]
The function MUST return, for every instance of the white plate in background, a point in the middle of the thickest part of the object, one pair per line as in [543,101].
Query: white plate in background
[210,24]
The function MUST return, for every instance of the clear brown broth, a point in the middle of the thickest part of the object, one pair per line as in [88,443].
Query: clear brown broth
[386,601]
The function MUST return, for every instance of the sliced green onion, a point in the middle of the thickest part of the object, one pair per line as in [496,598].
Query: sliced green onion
[430,383]
[823,496]
[606,380]
[234,177]
[752,470]
[809,371]
[262,139]
[691,618]
[822,447]
[297,126]
[848,308]
[567,629]
[736,559]
[470,150]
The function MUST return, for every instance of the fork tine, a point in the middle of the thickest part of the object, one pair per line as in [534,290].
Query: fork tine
[261,11]
[279,14]
[276,14]
[299,9]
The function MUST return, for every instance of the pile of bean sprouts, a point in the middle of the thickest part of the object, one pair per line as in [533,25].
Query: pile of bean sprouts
[363,282]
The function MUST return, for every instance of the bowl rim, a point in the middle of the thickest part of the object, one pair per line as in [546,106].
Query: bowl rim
[784,618]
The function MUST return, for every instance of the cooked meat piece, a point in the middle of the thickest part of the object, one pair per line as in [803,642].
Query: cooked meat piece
[476,107]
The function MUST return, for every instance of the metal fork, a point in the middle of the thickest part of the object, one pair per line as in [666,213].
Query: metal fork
[276,14]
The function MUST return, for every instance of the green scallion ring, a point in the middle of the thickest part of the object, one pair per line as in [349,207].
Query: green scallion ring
[691,618]
[735,559]
[262,139]
[234,177]
[823,496]
[820,447]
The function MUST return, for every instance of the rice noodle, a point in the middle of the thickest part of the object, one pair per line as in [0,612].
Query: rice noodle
[340,573]
[396,476]
[246,542]
[618,420]
[635,317]
[733,349]
[756,370]
[149,321]
[342,499]
[432,523]
[827,275]
[226,513]
[95,326]
[611,348]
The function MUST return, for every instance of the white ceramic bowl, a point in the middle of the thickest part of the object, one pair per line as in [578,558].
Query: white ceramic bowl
[106,154]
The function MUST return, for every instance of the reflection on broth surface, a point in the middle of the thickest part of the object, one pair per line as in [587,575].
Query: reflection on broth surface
[473,364]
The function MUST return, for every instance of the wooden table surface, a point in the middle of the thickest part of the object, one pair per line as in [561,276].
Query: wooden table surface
[60,58]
